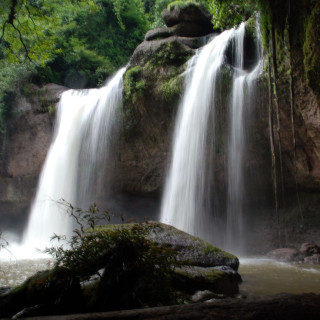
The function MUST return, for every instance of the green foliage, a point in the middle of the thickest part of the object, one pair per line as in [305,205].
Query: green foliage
[172,89]
[26,30]
[180,4]
[133,85]
[137,272]
[95,41]
[228,13]
[171,53]
[12,78]
[95,34]
[73,43]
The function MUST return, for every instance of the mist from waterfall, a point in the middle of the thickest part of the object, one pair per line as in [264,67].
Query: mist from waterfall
[86,122]
[186,198]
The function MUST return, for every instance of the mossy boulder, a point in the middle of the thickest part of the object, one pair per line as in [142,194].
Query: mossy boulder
[126,266]
[170,51]
[52,291]
[190,250]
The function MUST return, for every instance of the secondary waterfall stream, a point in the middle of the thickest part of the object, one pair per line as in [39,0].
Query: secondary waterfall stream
[241,95]
[185,203]
[86,121]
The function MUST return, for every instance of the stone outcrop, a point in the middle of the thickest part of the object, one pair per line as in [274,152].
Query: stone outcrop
[183,21]
[192,13]
[149,264]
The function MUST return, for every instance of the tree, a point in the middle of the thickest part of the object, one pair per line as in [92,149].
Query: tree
[26,30]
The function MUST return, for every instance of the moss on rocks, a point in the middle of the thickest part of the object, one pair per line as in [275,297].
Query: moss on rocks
[57,290]
[133,84]
[153,82]
[172,89]
[139,265]
[172,53]
[311,50]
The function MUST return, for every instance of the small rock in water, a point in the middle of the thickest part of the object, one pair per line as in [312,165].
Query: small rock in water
[308,249]
[284,254]
[205,295]
[314,259]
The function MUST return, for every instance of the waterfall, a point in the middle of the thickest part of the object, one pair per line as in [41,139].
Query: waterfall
[234,227]
[242,93]
[185,198]
[85,124]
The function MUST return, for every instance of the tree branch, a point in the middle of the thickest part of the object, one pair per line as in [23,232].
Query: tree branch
[10,20]
[21,40]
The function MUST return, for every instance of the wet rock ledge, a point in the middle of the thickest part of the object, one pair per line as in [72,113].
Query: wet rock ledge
[279,307]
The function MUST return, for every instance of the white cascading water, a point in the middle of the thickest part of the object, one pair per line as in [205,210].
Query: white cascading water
[85,122]
[242,89]
[184,194]
[182,202]
[234,225]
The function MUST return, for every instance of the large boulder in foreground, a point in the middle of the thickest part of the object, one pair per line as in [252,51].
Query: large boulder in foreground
[138,265]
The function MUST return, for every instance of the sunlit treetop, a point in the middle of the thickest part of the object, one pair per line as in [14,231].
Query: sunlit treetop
[27,27]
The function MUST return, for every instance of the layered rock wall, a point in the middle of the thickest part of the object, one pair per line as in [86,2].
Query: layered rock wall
[24,146]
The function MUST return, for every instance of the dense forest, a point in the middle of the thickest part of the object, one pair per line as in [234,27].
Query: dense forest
[79,43]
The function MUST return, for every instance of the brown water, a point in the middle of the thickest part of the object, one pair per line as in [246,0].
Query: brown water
[266,277]
[260,276]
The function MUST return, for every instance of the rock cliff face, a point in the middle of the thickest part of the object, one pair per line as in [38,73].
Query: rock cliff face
[24,147]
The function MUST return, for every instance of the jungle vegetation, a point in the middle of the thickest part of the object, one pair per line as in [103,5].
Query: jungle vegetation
[78,43]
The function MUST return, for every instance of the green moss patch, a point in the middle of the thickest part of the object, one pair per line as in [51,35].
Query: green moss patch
[311,50]
[172,89]
[176,5]
[133,83]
